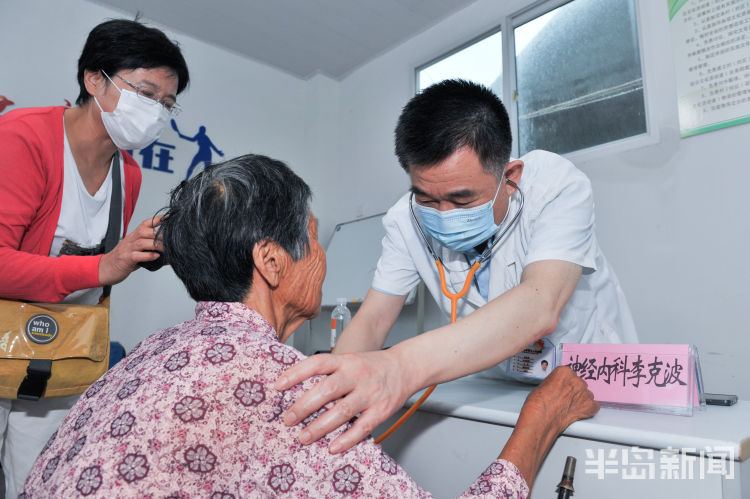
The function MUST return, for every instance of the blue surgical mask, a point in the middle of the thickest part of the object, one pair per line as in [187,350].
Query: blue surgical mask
[460,229]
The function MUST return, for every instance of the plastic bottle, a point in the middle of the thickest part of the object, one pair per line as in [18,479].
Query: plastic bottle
[340,318]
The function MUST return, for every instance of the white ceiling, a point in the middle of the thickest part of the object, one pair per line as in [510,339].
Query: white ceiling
[301,37]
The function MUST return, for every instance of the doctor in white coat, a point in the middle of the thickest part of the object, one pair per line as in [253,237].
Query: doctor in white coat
[545,280]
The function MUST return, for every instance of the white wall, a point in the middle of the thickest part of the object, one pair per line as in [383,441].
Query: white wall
[670,217]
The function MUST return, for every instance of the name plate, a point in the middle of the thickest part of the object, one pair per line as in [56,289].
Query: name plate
[662,378]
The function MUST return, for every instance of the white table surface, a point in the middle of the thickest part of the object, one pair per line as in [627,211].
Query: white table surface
[499,402]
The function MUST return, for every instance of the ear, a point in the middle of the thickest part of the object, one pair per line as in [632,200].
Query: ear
[271,261]
[94,81]
[513,172]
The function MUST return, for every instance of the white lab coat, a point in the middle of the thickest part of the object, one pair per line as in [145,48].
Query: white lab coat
[556,223]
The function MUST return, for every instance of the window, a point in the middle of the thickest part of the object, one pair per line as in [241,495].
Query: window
[578,77]
[574,74]
[480,61]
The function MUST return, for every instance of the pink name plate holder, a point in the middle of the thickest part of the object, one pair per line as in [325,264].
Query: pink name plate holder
[660,378]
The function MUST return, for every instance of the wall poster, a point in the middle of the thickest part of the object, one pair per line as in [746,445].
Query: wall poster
[711,43]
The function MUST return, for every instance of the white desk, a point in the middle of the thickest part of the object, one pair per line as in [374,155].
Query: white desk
[464,424]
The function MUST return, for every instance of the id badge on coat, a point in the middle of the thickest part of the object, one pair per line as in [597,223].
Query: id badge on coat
[534,362]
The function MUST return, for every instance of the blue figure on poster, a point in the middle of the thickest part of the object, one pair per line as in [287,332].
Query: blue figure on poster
[205,146]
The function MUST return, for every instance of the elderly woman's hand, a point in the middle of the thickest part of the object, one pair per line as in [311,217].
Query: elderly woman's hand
[563,398]
[560,400]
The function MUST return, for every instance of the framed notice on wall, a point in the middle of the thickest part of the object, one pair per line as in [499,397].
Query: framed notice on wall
[711,43]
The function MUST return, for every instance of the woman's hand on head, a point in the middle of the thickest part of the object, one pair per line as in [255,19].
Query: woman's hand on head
[141,245]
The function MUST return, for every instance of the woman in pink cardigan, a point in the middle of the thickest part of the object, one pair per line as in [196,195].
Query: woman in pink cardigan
[192,411]
[59,169]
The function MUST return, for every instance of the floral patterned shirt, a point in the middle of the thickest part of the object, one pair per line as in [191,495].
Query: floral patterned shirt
[191,412]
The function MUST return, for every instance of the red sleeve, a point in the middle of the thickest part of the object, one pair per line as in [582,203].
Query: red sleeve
[29,210]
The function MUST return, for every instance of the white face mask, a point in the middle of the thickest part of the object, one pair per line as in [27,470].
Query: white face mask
[133,124]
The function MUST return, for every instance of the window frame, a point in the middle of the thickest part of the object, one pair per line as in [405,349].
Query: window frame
[506,26]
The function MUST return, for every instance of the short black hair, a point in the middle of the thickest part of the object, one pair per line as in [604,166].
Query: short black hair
[448,116]
[214,220]
[122,44]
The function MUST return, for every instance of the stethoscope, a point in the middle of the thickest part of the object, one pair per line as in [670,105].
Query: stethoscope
[453,297]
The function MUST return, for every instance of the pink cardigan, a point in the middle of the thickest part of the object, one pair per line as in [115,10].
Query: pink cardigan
[31,187]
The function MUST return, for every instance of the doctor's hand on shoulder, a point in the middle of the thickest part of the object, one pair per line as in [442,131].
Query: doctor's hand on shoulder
[373,384]
[141,245]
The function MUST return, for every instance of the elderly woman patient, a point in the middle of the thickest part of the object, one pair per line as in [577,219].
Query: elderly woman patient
[192,412]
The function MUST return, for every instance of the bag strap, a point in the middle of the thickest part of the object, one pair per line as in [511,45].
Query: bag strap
[33,385]
[115,213]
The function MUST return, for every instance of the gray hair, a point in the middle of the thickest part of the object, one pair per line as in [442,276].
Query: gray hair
[214,220]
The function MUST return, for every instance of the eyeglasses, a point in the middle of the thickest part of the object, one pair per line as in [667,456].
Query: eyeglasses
[148,96]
